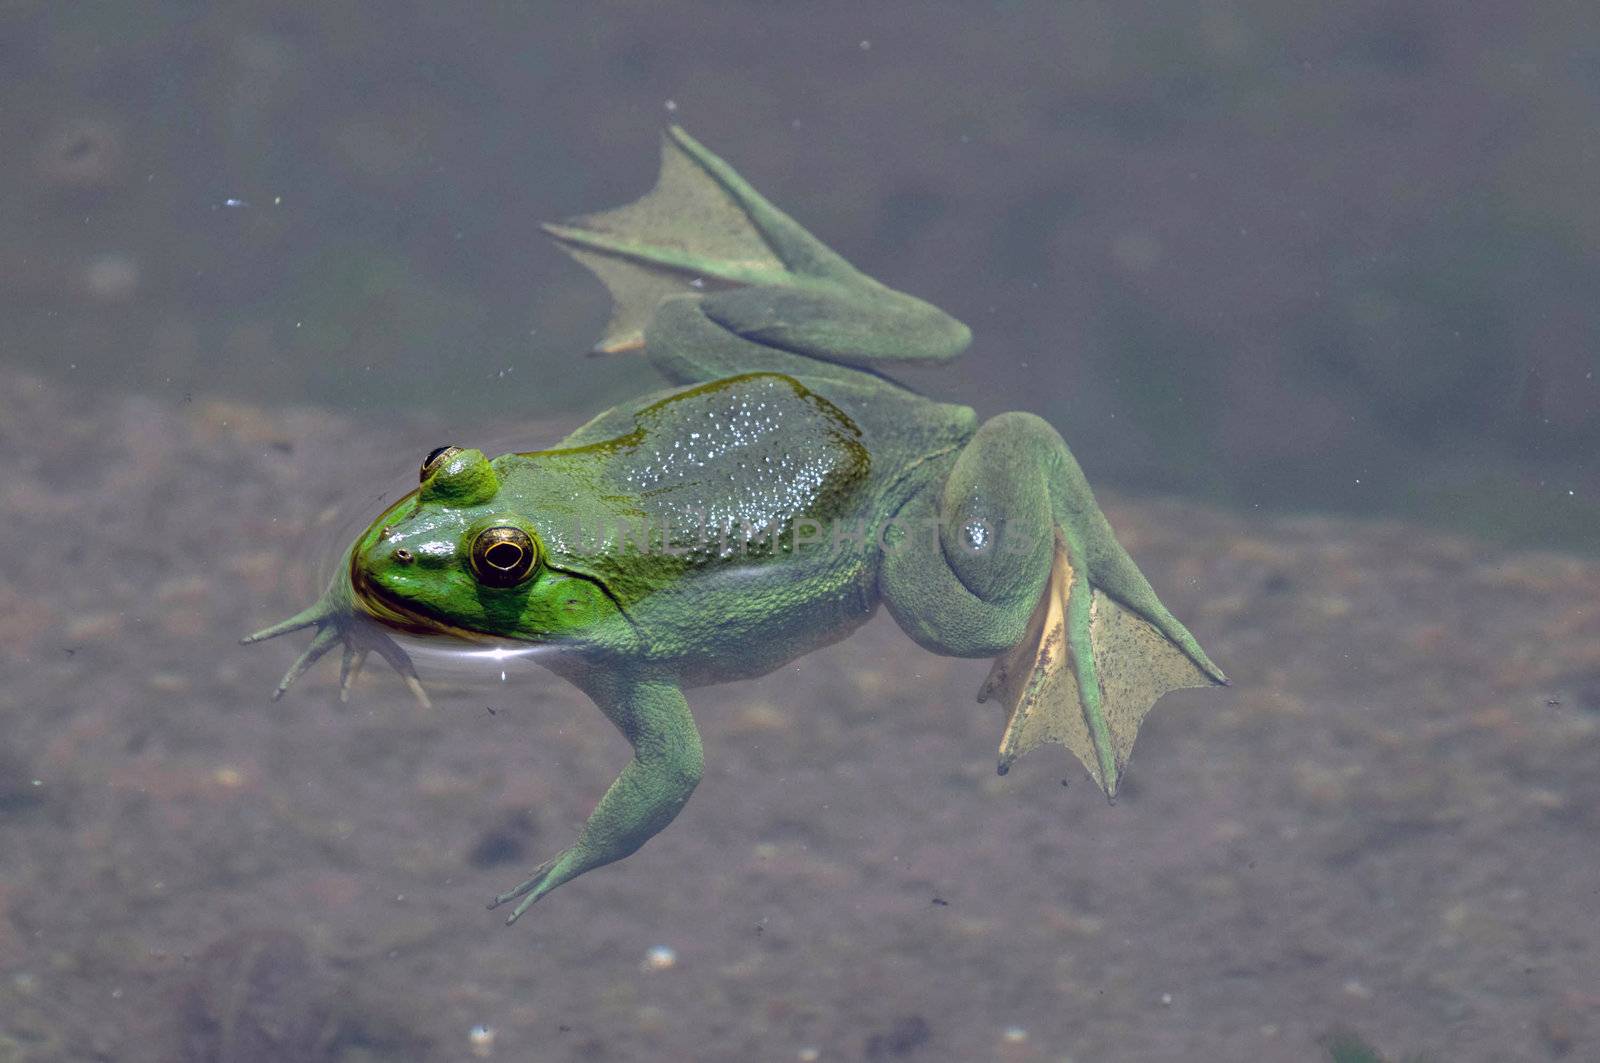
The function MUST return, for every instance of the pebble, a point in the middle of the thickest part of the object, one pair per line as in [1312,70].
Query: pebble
[1548,799]
[168,682]
[111,277]
[1562,1026]
[22,621]
[83,152]
[1319,785]
[762,717]
[481,1039]
[870,682]
[93,626]
[184,589]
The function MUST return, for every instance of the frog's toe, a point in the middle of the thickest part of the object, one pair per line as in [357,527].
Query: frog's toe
[400,661]
[357,636]
[414,685]
[326,638]
[349,669]
[314,614]
[363,637]
[530,890]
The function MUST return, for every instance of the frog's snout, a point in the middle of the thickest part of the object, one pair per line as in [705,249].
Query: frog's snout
[385,572]
[385,554]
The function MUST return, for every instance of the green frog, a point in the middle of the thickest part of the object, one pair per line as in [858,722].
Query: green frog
[761,506]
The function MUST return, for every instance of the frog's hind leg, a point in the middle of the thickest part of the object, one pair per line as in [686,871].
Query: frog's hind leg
[687,347]
[704,235]
[1015,559]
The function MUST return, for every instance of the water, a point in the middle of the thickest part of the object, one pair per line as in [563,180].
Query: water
[1309,291]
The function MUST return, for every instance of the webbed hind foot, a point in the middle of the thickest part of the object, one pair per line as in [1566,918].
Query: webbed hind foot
[770,295]
[1086,674]
[1026,569]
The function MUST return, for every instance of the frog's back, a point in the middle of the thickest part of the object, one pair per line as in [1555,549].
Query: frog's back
[762,494]
[912,439]
[758,447]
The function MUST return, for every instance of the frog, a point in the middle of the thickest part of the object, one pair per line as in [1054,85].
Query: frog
[780,488]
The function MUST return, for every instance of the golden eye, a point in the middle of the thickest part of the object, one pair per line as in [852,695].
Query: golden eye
[503,556]
[436,459]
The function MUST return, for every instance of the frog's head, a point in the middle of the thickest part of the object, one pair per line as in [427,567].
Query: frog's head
[457,558]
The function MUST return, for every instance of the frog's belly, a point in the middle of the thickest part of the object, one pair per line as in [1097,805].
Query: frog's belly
[741,621]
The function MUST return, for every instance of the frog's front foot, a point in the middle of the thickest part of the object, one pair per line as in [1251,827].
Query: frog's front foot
[541,881]
[338,624]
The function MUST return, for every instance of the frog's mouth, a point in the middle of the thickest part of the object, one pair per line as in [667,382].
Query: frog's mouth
[392,612]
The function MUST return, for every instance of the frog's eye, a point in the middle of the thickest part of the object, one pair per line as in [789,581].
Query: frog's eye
[503,556]
[436,459]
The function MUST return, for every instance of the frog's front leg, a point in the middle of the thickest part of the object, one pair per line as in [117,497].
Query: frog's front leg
[654,717]
[1011,557]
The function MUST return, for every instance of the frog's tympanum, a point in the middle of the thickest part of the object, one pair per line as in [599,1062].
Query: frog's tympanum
[760,507]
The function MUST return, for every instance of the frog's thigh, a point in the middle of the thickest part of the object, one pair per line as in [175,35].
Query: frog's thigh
[687,347]
[964,576]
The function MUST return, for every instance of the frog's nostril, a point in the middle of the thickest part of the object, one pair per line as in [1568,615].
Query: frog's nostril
[403,556]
